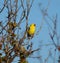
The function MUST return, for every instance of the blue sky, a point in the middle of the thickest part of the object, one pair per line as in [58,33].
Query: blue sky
[42,38]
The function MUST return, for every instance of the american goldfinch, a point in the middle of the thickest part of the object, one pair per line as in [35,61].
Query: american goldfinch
[31,30]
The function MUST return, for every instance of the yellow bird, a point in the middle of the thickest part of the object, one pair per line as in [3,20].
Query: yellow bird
[31,30]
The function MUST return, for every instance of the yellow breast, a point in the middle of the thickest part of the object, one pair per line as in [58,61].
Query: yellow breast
[31,30]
